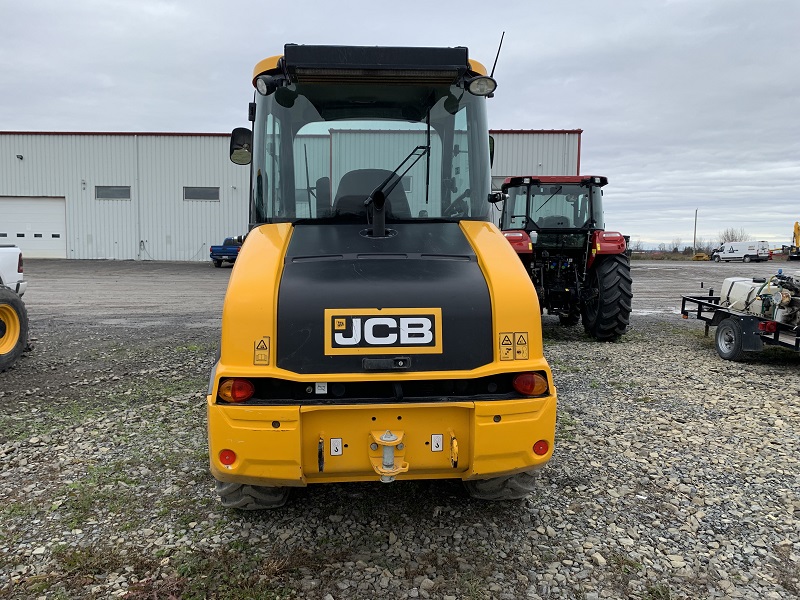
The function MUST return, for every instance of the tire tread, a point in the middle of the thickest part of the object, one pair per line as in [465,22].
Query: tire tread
[251,497]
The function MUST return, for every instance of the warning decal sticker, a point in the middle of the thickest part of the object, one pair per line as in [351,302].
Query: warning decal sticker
[521,345]
[514,345]
[261,351]
[507,346]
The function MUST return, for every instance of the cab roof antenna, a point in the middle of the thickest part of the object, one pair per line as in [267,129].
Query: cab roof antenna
[498,55]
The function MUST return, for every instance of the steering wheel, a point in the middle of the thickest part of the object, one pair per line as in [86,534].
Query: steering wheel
[457,207]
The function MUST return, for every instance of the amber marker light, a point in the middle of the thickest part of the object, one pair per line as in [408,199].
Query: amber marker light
[541,447]
[530,384]
[236,390]
[228,457]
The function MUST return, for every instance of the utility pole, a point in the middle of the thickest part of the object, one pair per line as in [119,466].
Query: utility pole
[694,239]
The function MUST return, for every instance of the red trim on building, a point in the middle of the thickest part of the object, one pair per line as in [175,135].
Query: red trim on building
[578,131]
[117,133]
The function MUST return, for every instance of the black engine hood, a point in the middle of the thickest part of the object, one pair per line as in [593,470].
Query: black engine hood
[425,276]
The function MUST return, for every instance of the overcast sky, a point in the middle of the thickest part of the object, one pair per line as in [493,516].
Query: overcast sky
[684,104]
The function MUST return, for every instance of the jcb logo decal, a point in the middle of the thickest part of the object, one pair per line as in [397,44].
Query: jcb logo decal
[386,331]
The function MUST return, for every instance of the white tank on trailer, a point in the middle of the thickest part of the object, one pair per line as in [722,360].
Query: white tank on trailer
[743,294]
[776,298]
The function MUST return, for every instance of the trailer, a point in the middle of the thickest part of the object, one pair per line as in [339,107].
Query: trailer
[746,321]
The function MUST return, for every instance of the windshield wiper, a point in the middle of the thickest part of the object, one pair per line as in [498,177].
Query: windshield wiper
[378,196]
[550,198]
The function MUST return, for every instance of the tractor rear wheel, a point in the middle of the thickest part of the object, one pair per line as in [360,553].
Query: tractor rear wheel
[508,487]
[13,328]
[606,313]
[251,497]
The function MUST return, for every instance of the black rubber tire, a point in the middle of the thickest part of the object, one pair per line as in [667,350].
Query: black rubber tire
[507,487]
[251,497]
[13,328]
[570,319]
[607,313]
[716,258]
[728,339]
[217,263]
[746,259]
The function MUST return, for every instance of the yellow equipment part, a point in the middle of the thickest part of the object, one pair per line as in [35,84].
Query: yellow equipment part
[297,445]
[300,444]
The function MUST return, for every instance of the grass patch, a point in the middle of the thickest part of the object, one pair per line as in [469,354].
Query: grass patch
[229,573]
[77,568]
[623,569]
[566,425]
[659,591]
[103,489]
[787,572]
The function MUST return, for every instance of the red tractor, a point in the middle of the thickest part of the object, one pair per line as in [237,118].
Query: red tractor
[581,272]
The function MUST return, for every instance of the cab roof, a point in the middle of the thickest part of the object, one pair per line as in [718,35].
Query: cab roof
[555,179]
[369,57]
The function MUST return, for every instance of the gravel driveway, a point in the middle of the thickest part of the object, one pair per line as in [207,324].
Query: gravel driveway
[675,475]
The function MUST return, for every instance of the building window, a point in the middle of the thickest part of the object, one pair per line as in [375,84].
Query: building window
[20,235]
[55,235]
[112,192]
[201,193]
[3,235]
[37,235]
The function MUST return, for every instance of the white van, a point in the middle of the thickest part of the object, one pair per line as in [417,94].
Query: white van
[744,251]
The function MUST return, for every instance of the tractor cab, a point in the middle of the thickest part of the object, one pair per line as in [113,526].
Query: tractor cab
[555,224]
[554,212]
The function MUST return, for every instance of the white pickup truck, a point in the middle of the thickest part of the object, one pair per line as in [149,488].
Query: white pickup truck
[13,315]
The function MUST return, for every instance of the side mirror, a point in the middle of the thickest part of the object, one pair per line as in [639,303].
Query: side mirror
[495,197]
[241,146]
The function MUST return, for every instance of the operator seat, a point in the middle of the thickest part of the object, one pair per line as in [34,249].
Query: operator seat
[356,185]
[323,197]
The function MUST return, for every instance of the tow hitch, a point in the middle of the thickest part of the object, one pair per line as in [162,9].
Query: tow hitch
[384,450]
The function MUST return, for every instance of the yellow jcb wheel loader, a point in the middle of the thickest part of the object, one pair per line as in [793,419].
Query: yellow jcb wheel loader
[377,327]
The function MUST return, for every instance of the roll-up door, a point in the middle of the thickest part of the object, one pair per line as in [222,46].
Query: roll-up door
[36,225]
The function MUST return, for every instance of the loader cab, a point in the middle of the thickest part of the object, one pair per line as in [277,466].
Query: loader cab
[335,140]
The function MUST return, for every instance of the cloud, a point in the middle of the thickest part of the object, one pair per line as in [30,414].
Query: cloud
[684,105]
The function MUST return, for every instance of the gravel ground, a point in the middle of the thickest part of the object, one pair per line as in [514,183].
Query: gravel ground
[675,475]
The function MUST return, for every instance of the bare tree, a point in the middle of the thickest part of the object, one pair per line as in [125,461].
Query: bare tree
[733,235]
[662,247]
[637,245]
[701,245]
[676,244]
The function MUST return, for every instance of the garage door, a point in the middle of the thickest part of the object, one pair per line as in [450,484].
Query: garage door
[36,225]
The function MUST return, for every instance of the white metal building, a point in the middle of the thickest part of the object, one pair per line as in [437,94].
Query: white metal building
[535,152]
[164,196]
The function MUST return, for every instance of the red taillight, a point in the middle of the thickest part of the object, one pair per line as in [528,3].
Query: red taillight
[768,326]
[541,447]
[236,389]
[227,457]
[530,384]
[19,264]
